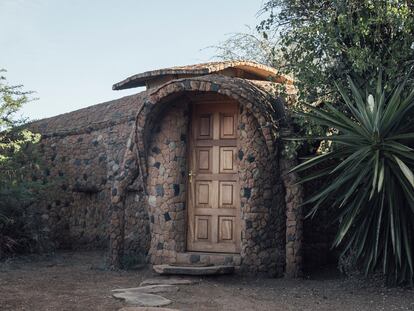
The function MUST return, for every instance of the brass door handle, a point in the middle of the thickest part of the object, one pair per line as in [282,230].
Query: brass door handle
[191,174]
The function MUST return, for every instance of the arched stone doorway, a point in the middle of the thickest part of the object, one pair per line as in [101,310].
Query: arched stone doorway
[189,218]
[158,156]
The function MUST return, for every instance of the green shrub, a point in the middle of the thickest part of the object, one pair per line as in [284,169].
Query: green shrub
[18,163]
[371,182]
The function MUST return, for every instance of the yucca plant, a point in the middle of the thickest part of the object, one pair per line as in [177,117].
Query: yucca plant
[369,177]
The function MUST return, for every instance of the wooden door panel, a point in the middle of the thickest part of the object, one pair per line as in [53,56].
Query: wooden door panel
[204,160]
[205,126]
[202,191]
[203,228]
[228,126]
[226,229]
[214,191]
[227,194]
[227,160]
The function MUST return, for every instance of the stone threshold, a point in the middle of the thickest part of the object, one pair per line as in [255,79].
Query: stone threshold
[195,270]
[208,259]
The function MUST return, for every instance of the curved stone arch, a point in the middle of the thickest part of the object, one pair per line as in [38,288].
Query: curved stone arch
[266,110]
[258,101]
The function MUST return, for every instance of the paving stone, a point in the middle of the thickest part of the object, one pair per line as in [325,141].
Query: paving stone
[195,270]
[169,281]
[142,299]
[149,289]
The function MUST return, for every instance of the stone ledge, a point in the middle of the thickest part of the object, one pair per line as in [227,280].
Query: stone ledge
[217,259]
[186,270]
[146,309]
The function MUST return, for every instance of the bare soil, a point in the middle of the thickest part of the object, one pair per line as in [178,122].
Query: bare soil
[79,281]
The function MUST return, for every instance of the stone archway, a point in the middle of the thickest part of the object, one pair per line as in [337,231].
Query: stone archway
[262,115]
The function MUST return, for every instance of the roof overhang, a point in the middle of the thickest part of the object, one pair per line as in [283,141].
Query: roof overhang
[260,71]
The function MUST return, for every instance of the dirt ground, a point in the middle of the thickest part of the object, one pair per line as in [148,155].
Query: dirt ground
[79,281]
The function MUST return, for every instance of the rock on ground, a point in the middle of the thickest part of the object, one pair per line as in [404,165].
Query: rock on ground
[142,299]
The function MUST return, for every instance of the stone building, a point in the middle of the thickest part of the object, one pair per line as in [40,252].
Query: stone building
[190,170]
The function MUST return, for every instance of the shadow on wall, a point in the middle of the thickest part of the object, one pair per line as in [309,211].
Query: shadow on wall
[318,233]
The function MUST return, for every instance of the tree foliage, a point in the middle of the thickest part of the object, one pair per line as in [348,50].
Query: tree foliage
[323,42]
[251,46]
[17,165]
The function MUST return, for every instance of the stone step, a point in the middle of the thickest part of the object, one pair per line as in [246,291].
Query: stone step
[193,270]
[198,264]
[146,309]
[198,258]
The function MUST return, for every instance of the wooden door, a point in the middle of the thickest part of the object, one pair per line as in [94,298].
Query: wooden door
[214,192]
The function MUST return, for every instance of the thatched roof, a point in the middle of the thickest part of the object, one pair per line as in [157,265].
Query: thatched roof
[259,71]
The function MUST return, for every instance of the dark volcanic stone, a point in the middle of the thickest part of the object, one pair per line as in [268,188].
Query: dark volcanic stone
[160,190]
[167,216]
[156,150]
[247,192]
[176,188]
[251,158]
[194,258]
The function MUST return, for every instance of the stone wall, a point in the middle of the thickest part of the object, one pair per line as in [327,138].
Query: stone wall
[262,206]
[294,219]
[75,208]
[81,152]
[137,227]
[166,183]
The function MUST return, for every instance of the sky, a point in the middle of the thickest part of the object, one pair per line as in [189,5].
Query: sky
[70,52]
